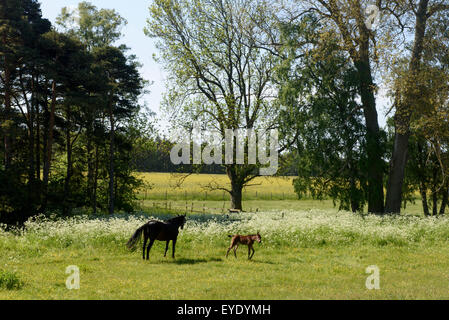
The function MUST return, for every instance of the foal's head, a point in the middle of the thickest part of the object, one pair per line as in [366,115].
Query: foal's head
[258,237]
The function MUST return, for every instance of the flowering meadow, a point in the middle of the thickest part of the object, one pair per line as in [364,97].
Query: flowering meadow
[287,228]
[308,254]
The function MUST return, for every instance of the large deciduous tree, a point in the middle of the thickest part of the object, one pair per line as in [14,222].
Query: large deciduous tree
[219,73]
[318,92]
[407,96]
[348,20]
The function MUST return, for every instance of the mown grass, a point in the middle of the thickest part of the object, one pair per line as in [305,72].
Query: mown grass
[315,254]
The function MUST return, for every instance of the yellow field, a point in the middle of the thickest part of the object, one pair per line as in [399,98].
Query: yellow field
[194,187]
[190,194]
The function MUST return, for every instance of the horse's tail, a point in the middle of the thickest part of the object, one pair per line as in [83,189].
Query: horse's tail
[135,238]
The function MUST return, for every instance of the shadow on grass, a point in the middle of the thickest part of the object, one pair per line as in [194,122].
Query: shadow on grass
[261,262]
[189,261]
[195,261]
[256,261]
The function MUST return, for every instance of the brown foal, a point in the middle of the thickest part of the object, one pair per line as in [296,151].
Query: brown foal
[245,240]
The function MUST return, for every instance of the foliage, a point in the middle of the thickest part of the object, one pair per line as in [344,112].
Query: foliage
[69,98]
[320,101]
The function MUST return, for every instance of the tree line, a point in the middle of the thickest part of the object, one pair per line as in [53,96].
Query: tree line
[73,129]
[69,100]
[314,70]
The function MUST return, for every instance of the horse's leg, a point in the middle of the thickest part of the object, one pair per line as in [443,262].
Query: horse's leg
[145,239]
[174,244]
[166,248]
[249,252]
[235,250]
[149,248]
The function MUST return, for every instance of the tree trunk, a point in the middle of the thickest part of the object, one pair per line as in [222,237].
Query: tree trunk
[402,120]
[7,138]
[49,145]
[434,204]
[444,203]
[38,141]
[95,185]
[31,158]
[236,187]
[355,203]
[236,197]
[111,160]
[397,173]
[374,148]
[423,191]
[434,191]
[69,172]
[31,183]
[90,164]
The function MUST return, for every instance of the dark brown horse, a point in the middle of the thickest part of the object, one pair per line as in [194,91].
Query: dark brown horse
[157,230]
[245,240]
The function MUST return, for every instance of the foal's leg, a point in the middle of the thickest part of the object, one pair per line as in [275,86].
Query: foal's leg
[227,253]
[174,244]
[230,247]
[253,252]
[166,248]
[149,248]
[235,250]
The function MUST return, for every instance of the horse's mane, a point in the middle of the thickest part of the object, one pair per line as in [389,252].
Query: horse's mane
[176,219]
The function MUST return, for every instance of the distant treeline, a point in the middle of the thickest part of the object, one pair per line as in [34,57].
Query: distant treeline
[153,155]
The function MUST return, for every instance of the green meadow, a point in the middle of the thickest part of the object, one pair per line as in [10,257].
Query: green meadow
[305,254]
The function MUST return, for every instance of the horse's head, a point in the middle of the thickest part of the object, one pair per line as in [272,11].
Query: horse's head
[259,238]
[181,221]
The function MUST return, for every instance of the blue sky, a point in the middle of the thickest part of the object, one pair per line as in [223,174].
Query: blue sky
[136,13]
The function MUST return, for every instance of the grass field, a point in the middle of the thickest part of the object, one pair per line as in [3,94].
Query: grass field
[304,254]
[194,187]
[269,193]
[309,250]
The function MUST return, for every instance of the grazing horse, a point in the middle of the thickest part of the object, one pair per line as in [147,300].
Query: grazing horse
[157,230]
[245,240]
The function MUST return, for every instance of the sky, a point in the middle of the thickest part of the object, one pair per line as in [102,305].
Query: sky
[136,13]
